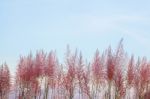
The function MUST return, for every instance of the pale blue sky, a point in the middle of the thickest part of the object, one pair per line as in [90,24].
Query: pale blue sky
[30,25]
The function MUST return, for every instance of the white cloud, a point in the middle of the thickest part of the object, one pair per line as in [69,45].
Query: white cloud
[102,24]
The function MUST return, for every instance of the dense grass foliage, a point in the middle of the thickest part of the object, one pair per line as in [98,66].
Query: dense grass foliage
[109,75]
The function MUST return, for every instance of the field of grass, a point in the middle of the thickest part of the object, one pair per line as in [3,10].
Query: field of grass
[110,75]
